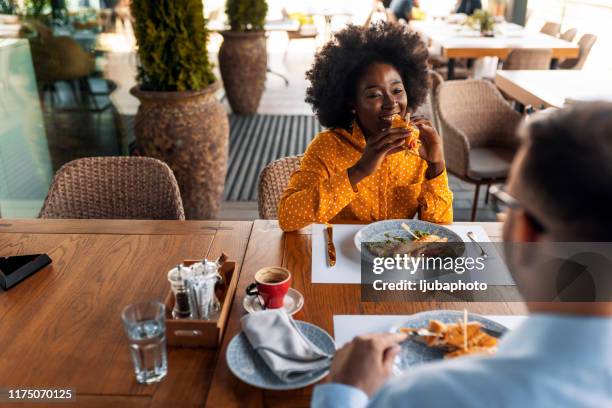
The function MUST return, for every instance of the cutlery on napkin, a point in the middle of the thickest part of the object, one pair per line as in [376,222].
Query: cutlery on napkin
[285,350]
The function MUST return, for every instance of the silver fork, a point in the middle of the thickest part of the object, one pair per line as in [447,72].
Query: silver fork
[470,235]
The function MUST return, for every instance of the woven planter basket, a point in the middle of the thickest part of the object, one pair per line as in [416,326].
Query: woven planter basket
[190,132]
[243,61]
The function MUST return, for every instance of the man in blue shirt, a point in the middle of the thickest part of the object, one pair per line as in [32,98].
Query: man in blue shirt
[561,356]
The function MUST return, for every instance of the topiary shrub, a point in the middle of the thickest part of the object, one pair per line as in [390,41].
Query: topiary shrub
[172,38]
[246,15]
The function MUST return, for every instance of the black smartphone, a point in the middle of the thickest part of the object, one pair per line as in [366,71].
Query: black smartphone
[14,269]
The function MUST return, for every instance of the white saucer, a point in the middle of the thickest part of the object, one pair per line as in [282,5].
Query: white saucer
[292,303]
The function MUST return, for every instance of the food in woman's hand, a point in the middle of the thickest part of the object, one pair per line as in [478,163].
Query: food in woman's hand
[412,142]
[458,339]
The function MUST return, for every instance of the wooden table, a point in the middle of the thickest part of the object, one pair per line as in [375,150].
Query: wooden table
[456,41]
[62,327]
[328,14]
[551,88]
[269,246]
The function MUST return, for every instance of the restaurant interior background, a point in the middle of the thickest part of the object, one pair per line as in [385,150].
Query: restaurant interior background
[88,109]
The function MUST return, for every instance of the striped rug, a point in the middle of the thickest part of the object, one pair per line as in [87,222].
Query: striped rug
[257,140]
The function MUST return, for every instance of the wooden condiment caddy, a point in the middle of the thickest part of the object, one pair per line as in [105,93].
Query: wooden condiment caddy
[203,333]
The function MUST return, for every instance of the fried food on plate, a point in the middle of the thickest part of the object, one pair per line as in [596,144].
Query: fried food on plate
[458,339]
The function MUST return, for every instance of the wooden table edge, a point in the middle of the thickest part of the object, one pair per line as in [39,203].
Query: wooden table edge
[116,227]
[502,52]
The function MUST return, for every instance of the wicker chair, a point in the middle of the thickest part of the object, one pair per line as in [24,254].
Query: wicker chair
[478,129]
[436,79]
[586,43]
[272,183]
[460,72]
[569,35]
[58,59]
[114,188]
[551,28]
[528,59]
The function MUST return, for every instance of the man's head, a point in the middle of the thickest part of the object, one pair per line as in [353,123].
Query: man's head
[562,177]
[561,180]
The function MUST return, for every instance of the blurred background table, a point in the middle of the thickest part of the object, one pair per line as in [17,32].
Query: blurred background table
[554,88]
[454,41]
[328,13]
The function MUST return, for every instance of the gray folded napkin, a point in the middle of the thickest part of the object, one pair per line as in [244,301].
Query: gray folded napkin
[286,351]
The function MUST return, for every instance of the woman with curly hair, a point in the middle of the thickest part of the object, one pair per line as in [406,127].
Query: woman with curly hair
[359,169]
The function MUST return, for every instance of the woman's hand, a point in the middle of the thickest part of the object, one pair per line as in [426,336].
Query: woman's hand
[387,142]
[431,147]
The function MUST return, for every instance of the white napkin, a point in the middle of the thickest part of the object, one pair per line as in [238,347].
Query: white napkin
[276,338]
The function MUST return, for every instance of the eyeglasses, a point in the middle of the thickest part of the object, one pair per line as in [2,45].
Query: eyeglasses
[504,201]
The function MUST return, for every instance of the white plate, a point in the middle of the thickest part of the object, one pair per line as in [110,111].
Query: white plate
[292,303]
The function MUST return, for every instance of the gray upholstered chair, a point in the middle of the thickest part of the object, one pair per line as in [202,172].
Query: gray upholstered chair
[478,129]
[114,188]
[585,43]
[569,35]
[528,59]
[551,28]
[272,183]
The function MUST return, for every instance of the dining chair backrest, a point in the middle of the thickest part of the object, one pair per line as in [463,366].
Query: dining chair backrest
[436,79]
[476,108]
[273,181]
[569,35]
[551,28]
[60,59]
[585,44]
[473,113]
[114,188]
[523,58]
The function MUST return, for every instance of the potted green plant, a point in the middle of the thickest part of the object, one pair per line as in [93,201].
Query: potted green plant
[179,119]
[484,21]
[243,58]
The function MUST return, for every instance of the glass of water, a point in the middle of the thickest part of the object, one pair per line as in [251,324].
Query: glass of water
[146,330]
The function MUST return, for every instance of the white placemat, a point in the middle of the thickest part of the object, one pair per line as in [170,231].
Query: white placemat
[495,272]
[347,327]
[348,258]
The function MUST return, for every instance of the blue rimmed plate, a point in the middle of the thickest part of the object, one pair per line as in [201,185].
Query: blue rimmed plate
[381,230]
[413,352]
[247,365]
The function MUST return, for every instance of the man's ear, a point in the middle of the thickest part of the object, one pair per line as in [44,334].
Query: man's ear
[524,229]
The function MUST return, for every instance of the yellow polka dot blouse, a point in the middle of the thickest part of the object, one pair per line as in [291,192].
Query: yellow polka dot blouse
[320,190]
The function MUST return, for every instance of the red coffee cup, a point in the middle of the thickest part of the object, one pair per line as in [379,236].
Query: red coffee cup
[272,284]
